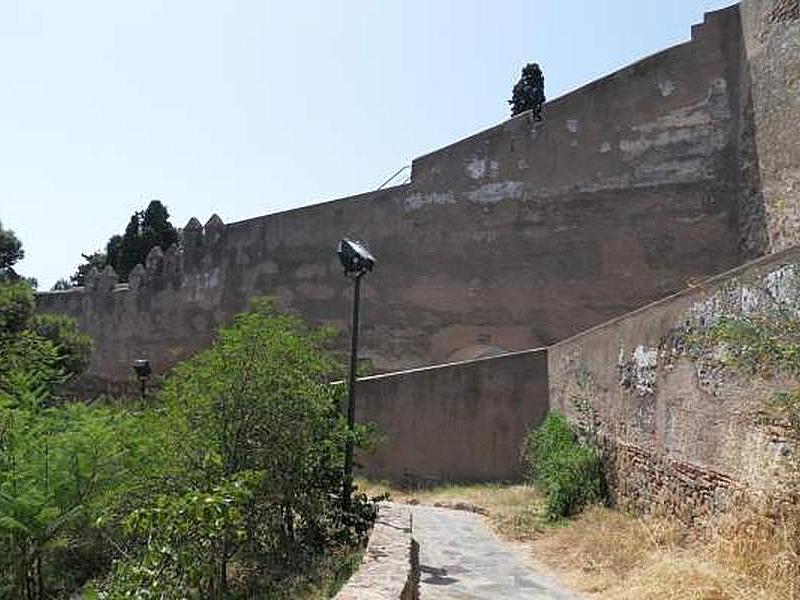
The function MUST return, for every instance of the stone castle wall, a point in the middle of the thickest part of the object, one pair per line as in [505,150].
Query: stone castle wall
[513,238]
[677,426]
[680,430]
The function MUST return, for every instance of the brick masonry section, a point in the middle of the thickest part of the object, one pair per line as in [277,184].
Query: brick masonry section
[390,568]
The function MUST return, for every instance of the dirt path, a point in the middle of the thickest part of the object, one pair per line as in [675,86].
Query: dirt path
[461,558]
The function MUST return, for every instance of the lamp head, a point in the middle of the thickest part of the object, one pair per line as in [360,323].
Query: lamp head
[355,258]
[142,368]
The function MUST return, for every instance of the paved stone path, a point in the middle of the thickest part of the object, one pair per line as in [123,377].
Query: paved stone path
[461,558]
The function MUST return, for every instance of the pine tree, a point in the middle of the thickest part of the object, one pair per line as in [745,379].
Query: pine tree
[528,93]
[96,260]
[10,253]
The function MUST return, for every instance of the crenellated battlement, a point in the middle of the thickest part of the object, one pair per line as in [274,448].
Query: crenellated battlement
[161,268]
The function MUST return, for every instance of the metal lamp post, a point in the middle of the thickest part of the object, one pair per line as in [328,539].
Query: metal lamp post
[142,369]
[357,262]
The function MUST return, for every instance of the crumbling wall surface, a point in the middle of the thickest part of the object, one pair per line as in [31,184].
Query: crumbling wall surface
[772,39]
[458,422]
[679,425]
[513,238]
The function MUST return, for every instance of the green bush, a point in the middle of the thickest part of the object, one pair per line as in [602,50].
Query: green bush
[58,468]
[187,541]
[229,484]
[74,347]
[16,306]
[252,443]
[570,471]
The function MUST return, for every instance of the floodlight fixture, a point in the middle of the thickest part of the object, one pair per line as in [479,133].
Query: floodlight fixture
[355,258]
[142,369]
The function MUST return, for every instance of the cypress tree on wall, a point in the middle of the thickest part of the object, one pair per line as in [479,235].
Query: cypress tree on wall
[528,93]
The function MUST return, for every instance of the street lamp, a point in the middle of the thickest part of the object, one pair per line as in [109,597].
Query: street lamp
[357,262]
[142,370]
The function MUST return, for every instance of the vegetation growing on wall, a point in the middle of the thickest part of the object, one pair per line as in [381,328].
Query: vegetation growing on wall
[570,471]
[764,345]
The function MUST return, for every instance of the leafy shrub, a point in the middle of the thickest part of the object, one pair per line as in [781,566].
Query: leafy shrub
[74,347]
[252,440]
[238,469]
[570,471]
[37,352]
[187,541]
[58,467]
[29,370]
[16,306]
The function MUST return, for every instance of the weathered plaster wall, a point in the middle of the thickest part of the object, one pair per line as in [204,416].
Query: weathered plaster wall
[459,422]
[513,238]
[679,428]
[772,39]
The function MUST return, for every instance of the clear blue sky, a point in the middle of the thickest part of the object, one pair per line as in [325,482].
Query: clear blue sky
[247,108]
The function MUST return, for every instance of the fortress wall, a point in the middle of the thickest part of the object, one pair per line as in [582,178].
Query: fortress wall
[513,238]
[663,120]
[458,422]
[772,38]
[678,428]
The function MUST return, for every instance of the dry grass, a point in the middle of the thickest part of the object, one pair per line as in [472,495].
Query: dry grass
[761,548]
[613,555]
[604,553]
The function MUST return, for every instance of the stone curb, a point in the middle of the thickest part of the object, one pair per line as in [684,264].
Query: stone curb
[390,568]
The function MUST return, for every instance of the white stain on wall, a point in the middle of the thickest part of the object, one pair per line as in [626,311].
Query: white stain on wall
[478,168]
[667,87]
[491,193]
[696,132]
[418,200]
[638,372]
